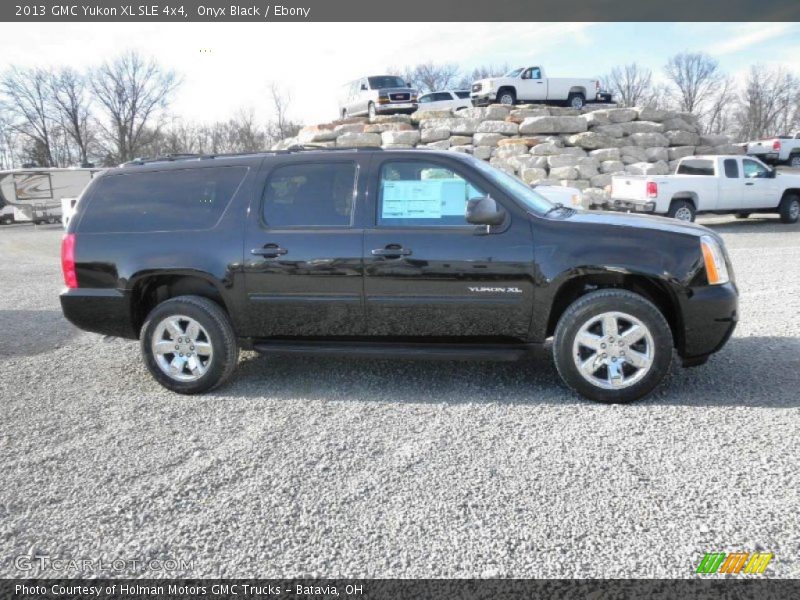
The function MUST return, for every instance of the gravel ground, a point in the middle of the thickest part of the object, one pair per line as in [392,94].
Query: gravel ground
[326,467]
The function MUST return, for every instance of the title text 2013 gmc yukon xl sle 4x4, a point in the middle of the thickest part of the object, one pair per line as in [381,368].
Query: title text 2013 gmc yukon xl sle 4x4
[389,253]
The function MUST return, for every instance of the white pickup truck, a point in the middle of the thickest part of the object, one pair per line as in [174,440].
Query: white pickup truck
[711,184]
[783,149]
[529,84]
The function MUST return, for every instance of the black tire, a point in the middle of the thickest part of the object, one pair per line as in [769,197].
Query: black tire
[507,96]
[742,215]
[344,114]
[589,307]
[679,208]
[216,323]
[371,112]
[576,100]
[794,160]
[790,208]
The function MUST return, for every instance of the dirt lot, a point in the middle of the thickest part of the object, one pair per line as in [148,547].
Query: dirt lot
[360,468]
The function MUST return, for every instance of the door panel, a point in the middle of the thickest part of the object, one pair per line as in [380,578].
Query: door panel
[304,275]
[430,274]
[731,185]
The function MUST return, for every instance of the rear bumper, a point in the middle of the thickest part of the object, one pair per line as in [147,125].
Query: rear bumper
[710,314]
[101,311]
[631,206]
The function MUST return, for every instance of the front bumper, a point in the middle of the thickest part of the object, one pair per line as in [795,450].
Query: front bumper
[709,315]
[104,311]
[396,107]
[631,206]
[483,98]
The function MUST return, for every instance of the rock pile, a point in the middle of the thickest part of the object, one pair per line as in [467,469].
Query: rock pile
[539,144]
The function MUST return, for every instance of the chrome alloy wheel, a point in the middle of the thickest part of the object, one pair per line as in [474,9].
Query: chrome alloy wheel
[182,348]
[613,350]
[683,214]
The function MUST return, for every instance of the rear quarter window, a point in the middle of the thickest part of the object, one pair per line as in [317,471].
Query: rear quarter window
[173,200]
[696,167]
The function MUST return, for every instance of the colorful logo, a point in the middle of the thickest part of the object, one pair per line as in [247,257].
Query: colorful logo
[734,562]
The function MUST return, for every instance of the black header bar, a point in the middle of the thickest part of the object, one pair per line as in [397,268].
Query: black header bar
[402,11]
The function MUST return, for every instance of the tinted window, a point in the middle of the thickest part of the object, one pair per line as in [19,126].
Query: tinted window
[385,81]
[696,167]
[418,193]
[425,99]
[731,168]
[753,169]
[174,200]
[438,96]
[306,195]
[462,95]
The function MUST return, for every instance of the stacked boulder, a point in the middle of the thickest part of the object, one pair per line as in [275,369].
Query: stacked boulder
[539,144]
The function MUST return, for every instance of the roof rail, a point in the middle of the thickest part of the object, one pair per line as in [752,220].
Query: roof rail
[290,150]
[316,147]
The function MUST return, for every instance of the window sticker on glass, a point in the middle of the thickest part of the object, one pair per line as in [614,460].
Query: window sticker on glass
[412,199]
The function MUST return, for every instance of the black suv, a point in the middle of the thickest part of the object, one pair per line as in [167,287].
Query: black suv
[387,253]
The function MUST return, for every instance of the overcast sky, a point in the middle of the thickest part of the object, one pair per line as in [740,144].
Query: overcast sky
[312,60]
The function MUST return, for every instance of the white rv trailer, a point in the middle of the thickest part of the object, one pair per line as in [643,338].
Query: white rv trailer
[37,192]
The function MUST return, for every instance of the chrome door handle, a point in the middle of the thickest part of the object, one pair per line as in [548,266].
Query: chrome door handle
[391,251]
[269,251]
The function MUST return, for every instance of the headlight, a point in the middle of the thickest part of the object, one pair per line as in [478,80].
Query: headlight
[716,269]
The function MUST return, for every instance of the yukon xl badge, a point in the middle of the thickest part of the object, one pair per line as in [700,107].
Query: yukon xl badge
[495,290]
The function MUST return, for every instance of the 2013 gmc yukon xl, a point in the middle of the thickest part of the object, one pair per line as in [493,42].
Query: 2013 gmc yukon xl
[387,253]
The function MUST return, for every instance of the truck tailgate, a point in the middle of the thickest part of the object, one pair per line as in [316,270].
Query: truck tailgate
[629,187]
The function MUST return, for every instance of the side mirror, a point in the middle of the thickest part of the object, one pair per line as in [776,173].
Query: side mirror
[485,211]
[772,173]
[364,86]
[408,84]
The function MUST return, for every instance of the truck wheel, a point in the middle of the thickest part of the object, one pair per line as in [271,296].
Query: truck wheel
[794,161]
[188,344]
[612,346]
[371,110]
[576,100]
[790,208]
[507,97]
[683,210]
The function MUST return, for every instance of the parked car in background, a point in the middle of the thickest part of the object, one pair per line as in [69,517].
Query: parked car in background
[36,193]
[711,184]
[377,95]
[531,85]
[780,150]
[389,254]
[559,194]
[444,100]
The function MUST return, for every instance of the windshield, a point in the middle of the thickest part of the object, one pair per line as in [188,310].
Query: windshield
[514,73]
[385,81]
[514,188]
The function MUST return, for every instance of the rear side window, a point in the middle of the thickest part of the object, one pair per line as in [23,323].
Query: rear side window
[174,200]
[310,195]
[696,167]
[731,168]
[462,95]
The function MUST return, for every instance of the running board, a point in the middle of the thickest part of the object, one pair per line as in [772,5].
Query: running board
[386,350]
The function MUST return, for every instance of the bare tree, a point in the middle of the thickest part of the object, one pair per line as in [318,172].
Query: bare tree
[695,77]
[281,126]
[482,72]
[27,97]
[768,103]
[430,76]
[132,92]
[631,85]
[720,109]
[72,106]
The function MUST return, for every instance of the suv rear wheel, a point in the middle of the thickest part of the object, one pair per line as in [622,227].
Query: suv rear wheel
[612,346]
[188,344]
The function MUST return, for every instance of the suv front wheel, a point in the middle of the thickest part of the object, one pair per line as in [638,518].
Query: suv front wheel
[612,346]
[188,344]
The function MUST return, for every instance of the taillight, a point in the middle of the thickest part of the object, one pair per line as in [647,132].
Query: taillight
[652,189]
[776,145]
[68,260]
